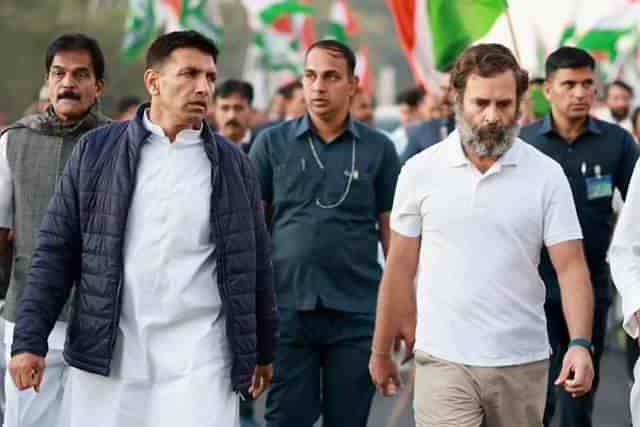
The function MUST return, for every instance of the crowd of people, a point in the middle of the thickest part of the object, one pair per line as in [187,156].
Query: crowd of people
[172,264]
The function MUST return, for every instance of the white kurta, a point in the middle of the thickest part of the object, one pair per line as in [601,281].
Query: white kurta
[624,259]
[172,361]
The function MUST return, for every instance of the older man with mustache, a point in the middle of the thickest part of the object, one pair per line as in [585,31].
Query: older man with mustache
[469,219]
[33,153]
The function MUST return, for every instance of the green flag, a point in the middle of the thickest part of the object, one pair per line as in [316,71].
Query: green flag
[140,28]
[456,24]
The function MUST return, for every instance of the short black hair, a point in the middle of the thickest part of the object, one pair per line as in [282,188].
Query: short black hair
[619,83]
[126,102]
[234,86]
[163,46]
[568,57]
[536,81]
[287,90]
[76,41]
[411,97]
[335,46]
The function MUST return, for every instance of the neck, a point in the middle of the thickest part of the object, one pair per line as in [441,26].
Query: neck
[483,163]
[569,128]
[329,128]
[170,128]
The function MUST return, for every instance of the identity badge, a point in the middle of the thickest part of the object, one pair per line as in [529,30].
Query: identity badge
[599,186]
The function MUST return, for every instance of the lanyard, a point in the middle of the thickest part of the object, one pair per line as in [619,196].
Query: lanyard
[349,181]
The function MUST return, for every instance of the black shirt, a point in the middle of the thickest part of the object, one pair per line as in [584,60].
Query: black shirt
[325,255]
[604,152]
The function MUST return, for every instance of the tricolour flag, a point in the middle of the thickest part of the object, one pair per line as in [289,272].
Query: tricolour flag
[433,33]
[274,35]
[281,29]
[604,37]
[342,22]
[148,17]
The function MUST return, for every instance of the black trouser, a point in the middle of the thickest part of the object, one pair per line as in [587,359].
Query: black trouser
[572,412]
[321,367]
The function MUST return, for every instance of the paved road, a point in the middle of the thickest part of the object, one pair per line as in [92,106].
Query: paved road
[611,408]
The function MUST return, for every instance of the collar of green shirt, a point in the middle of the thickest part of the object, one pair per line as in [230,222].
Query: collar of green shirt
[304,126]
[547,126]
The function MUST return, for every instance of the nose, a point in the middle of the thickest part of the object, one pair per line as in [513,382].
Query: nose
[318,85]
[580,91]
[68,81]
[491,114]
[204,87]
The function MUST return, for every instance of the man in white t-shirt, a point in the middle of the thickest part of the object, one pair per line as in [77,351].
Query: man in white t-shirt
[470,217]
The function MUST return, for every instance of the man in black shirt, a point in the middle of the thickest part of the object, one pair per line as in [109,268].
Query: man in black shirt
[597,158]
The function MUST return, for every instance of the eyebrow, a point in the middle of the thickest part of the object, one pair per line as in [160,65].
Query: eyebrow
[577,81]
[81,68]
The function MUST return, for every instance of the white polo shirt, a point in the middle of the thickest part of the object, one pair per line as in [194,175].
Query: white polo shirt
[480,298]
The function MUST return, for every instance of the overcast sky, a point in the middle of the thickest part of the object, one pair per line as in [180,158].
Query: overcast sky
[550,18]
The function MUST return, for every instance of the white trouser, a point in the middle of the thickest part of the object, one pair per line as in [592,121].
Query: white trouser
[30,409]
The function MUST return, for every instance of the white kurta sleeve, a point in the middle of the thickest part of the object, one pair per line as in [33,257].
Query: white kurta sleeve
[624,255]
[6,186]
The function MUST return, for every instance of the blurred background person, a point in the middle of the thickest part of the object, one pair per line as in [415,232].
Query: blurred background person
[438,127]
[362,106]
[618,97]
[126,108]
[409,106]
[294,105]
[232,105]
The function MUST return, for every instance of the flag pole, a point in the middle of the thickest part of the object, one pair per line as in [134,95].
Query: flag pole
[511,31]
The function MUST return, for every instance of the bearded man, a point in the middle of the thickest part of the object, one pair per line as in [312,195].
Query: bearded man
[471,214]
[597,157]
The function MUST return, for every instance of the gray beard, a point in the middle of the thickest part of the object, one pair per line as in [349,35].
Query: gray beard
[485,142]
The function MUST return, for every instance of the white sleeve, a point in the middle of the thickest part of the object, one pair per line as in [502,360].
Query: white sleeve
[6,186]
[406,218]
[560,217]
[624,255]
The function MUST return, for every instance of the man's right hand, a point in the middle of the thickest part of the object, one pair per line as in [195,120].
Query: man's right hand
[384,374]
[27,370]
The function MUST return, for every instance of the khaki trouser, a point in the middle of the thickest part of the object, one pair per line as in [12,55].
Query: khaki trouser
[452,395]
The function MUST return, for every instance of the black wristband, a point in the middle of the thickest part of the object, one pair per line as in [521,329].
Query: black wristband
[582,342]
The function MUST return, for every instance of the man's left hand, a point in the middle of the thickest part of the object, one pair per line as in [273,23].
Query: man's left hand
[576,375]
[261,379]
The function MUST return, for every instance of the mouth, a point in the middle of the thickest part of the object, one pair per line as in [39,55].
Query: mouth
[199,105]
[319,102]
[68,96]
[580,106]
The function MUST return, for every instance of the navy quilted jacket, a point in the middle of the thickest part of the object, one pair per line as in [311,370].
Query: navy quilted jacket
[81,240]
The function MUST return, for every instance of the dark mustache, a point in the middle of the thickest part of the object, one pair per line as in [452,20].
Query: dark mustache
[233,122]
[67,94]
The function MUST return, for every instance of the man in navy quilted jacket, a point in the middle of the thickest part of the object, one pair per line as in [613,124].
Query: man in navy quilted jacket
[158,222]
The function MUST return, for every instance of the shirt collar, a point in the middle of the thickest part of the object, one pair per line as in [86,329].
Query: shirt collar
[185,136]
[457,157]
[246,138]
[304,126]
[592,125]
[456,154]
